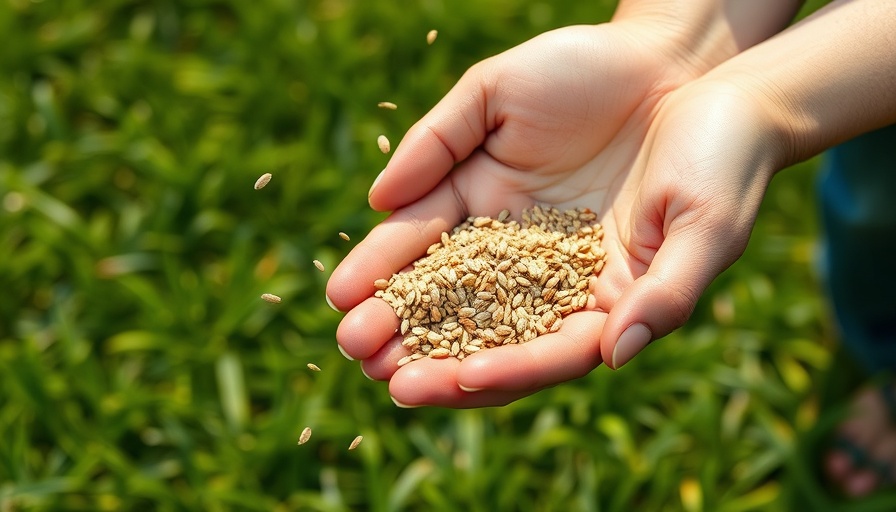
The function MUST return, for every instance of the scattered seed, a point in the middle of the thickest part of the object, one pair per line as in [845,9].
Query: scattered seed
[344,236]
[383,143]
[355,442]
[305,435]
[270,297]
[262,181]
[313,367]
[319,265]
[387,105]
[431,36]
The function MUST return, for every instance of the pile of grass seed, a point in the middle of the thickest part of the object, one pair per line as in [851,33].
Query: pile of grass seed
[496,281]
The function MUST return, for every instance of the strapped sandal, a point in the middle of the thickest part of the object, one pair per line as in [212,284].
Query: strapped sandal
[859,457]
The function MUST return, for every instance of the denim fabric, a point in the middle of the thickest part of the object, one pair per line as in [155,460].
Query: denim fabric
[858,202]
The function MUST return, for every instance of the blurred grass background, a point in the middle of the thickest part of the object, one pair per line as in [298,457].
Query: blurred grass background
[140,371]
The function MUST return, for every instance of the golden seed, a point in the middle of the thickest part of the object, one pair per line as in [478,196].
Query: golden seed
[305,435]
[383,144]
[319,265]
[262,180]
[270,297]
[431,36]
[503,330]
[387,105]
[355,442]
[343,236]
[439,353]
[489,282]
[313,367]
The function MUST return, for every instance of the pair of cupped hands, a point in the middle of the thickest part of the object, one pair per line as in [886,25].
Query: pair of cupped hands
[675,160]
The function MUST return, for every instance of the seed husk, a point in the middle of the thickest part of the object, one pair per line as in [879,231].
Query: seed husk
[431,36]
[270,297]
[313,367]
[319,265]
[305,435]
[387,105]
[355,442]
[262,180]
[383,144]
[492,282]
[344,236]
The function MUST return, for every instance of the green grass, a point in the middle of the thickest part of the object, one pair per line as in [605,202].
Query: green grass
[140,371]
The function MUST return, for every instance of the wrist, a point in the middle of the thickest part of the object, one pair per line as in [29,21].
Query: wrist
[697,35]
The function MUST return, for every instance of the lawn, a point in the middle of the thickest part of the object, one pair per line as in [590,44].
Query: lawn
[139,370]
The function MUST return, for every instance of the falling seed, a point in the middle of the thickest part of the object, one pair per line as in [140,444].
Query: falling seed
[431,36]
[344,236]
[270,297]
[355,442]
[387,105]
[262,181]
[305,436]
[383,143]
[319,265]
[313,367]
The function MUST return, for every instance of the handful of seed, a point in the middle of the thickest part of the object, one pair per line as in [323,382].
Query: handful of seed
[495,282]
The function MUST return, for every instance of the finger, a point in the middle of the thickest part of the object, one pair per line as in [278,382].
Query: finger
[456,126]
[570,353]
[366,328]
[383,364]
[662,299]
[393,244]
[433,382]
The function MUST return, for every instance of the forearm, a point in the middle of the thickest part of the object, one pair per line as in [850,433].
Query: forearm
[705,33]
[825,80]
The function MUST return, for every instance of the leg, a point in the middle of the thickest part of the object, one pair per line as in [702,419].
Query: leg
[858,199]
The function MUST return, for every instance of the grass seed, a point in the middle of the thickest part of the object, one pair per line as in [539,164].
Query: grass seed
[383,143]
[313,367]
[355,442]
[387,105]
[319,265]
[343,236]
[270,297]
[431,36]
[262,180]
[492,282]
[305,436]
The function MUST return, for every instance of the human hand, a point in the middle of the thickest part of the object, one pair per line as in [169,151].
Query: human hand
[561,119]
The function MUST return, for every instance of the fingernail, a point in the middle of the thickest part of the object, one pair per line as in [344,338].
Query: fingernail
[469,390]
[375,182]
[365,373]
[632,341]
[341,350]
[403,406]
[330,303]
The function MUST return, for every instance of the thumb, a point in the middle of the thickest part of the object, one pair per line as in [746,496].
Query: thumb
[663,299]
[447,134]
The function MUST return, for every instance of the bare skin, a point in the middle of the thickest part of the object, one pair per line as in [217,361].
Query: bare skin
[674,149]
